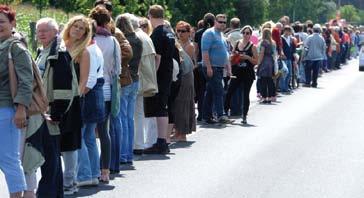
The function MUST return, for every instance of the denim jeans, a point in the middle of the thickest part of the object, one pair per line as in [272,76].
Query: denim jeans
[302,72]
[115,137]
[10,163]
[214,94]
[311,70]
[127,109]
[70,161]
[282,80]
[286,80]
[88,155]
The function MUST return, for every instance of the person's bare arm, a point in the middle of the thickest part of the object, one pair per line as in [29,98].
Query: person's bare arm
[84,72]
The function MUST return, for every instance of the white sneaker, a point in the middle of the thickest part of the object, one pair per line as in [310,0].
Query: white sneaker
[70,190]
[92,182]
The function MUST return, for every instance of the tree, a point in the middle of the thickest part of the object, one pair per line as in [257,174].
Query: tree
[252,12]
[41,5]
[8,2]
[349,13]
[69,6]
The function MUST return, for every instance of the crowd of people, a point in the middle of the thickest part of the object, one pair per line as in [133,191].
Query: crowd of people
[133,83]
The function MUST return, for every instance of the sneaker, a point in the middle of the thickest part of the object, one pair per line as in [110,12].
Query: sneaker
[92,182]
[224,120]
[70,190]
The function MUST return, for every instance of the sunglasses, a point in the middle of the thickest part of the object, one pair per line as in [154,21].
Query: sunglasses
[222,22]
[246,33]
[182,31]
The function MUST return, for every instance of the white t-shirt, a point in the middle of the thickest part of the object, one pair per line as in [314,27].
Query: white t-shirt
[96,65]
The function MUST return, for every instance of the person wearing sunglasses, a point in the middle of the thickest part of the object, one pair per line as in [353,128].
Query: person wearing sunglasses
[215,57]
[243,69]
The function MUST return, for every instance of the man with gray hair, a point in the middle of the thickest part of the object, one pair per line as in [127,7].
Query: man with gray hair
[144,135]
[55,64]
[315,48]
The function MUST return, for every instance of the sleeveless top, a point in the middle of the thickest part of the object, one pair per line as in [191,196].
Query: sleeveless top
[266,67]
[245,69]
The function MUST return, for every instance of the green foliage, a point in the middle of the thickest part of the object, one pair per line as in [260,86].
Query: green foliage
[41,5]
[350,13]
[10,2]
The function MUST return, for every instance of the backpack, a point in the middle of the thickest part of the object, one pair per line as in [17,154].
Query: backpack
[39,103]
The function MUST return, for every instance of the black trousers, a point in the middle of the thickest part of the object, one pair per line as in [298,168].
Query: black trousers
[266,87]
[239,83]
[51,183]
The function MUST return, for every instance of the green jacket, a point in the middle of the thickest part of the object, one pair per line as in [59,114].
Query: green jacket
[23,70]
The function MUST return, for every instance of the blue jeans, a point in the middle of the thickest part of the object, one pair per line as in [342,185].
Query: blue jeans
[214,94]
[127,109]
[311,70]
[115,138]
[285,80]
[70,159]
[88,155]
[10,163]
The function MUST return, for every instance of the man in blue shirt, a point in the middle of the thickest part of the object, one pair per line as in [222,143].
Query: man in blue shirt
[215,58]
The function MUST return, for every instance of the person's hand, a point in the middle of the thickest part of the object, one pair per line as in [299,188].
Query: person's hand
[244,57]
[20,118]
[209,72]
[48,118]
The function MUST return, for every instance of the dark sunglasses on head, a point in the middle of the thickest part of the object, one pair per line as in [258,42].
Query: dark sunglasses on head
[222,22]
[182,31]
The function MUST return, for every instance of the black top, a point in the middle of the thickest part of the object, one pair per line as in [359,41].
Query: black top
[137,46]
[198,38]
[245,69]
[163,40]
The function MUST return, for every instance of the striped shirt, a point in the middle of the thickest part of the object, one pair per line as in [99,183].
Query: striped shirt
[214,43]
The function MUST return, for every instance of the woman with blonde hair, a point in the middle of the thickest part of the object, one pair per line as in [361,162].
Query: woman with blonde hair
[145,25]
[77,37]
[265,70]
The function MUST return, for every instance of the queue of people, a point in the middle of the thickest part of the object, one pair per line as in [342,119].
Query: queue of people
[133,83]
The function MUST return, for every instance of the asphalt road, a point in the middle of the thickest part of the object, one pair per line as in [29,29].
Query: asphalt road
[307,145]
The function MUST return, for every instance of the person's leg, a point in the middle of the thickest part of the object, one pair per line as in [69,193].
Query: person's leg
[288,79]
[131,111]
[105,144]
[207,103]
[51,183]
[308,73]
[93,151]
[246,85]
[218,91]
[201,92]
[234,83]
[124,100]
[315,66]
[270,87]
[84,168]
[264,87]
[116,138]
[70,167]
[10,163]
[139,138]
[150,130]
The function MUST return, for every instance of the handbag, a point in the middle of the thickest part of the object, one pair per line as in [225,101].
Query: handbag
[125,76]
[39,103]
[115,91]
